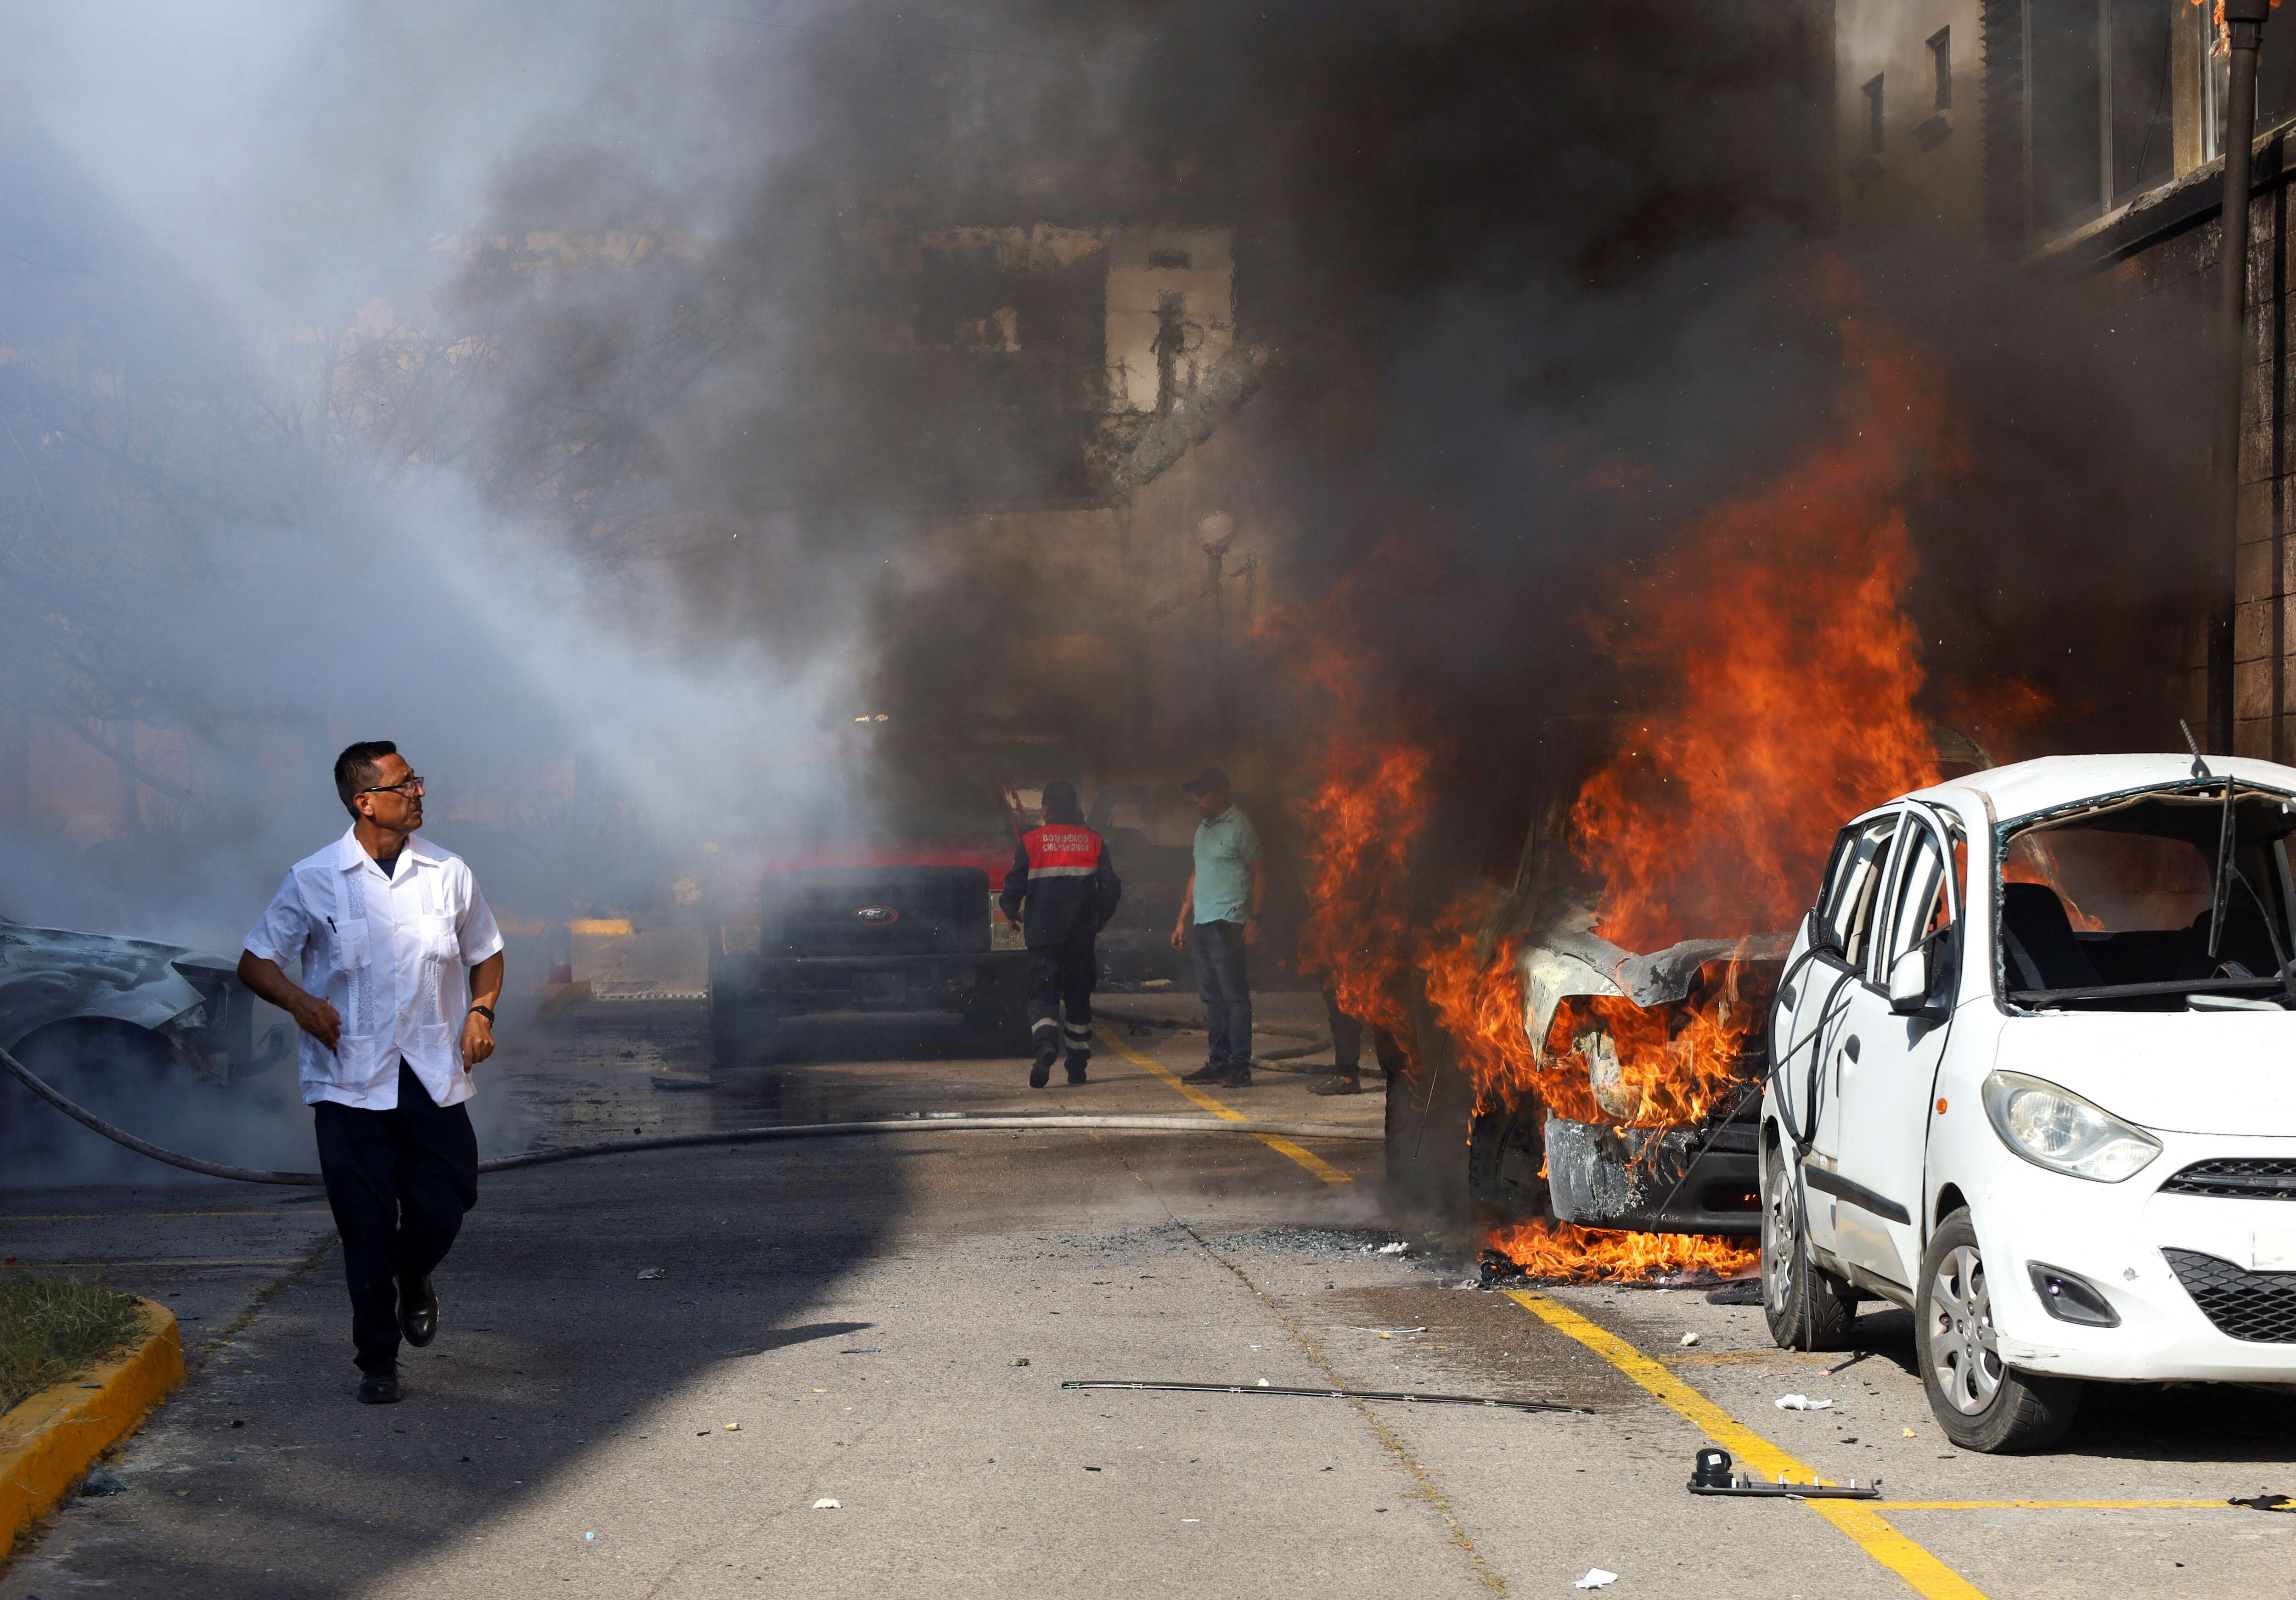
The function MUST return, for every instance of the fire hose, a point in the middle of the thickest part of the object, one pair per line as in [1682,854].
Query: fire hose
[935,1122]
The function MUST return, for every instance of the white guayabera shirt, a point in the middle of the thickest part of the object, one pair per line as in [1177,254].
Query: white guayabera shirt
[392,955]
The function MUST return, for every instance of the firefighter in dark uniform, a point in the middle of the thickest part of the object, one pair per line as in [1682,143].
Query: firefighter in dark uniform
[1061,870]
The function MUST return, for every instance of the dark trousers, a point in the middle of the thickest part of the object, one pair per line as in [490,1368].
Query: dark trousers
[1226,988]
[1062,976]
[1347,1042]
[399,1182]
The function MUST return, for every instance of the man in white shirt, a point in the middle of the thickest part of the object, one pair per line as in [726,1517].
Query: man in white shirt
[401,964]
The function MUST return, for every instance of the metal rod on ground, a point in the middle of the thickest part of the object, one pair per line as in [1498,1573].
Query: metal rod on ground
[735,1136]
[2244,33]
[1333,1394]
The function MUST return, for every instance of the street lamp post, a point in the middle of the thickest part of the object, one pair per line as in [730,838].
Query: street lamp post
[2244,33]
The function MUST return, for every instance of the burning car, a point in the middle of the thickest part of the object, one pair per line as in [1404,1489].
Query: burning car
[113,1020]
[2029,1080]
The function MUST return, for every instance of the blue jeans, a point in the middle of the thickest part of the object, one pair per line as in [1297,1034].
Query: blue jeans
[1226,991]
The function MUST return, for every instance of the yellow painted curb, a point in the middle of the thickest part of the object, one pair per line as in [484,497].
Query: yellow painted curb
[48,1441]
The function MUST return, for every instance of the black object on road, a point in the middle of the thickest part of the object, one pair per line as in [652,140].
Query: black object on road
[1710,1474]
[2263,1501]
[1332,1394]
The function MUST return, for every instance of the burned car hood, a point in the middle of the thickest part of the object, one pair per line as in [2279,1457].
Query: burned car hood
[49,975]
[2221,1072]
[1569,959]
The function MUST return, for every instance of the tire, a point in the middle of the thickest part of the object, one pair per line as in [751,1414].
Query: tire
[124,1074]
[740,1040]
[1430,1111]
[1807,1307]
[1980,1404]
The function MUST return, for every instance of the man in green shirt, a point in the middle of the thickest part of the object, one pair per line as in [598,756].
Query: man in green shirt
[1219,921]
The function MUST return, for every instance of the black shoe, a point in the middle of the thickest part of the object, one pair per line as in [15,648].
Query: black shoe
[1075,1067]
[1344,1084]
[418,1312]
[1041,1073]
[1209,1072]
[1238,1078]
[379,1388]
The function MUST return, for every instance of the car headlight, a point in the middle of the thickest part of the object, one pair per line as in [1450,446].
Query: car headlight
[2056,1128]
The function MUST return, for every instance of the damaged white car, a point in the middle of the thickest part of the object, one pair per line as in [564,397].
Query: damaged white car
[2031,1078]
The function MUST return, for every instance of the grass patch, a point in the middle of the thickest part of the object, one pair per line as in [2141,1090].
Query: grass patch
[53,1329]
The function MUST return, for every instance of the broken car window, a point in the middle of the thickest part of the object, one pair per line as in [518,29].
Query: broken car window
[1845,910]
[1921,912]
[2111,906]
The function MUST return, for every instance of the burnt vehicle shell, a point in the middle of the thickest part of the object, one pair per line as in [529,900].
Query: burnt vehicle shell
[1525,1162]
[193,1004]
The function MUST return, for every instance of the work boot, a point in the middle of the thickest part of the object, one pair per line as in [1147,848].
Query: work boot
[1077,1059]
[1041,1073]
[418,1310]
[379,1388]
[1344,1083]
[1211,1071]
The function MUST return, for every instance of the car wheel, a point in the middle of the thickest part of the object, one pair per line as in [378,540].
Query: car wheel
[1980,1404]
[1807,1307]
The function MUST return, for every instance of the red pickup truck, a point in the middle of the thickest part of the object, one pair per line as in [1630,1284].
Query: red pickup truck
[892,911]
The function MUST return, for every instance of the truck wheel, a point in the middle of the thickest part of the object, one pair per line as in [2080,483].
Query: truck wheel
[739,1039]
[1980,1404]
[1807,1307]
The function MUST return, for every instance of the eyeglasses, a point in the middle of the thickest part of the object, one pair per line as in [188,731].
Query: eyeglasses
[410,786]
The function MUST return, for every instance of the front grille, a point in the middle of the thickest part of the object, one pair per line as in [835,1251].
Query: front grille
[2259,1307]
[2261,1177]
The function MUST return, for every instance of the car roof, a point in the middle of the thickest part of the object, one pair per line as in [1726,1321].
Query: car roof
[2024,788]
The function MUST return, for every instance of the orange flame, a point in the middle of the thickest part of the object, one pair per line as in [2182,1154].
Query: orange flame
[1780,619]
[1566,1252]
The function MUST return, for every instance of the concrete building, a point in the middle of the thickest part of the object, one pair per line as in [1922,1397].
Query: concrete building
[2084,137]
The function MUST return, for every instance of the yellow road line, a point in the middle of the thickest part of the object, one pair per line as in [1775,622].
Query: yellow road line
[2063,1505]
[1921,1572]
[1307,1158]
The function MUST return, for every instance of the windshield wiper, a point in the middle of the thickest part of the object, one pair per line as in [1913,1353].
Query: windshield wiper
[2176,986]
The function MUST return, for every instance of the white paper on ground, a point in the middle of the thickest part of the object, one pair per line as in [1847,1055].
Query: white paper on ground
[1596,1579]
[1803,1402]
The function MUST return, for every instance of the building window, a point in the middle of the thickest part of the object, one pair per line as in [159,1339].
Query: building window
[2089,86]
[1941,69]
[1874,116]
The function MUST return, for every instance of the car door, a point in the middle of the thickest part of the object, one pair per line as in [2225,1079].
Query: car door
[1810,1017]
[1886,1065]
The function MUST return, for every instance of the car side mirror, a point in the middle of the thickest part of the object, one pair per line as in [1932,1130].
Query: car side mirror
[1909,982]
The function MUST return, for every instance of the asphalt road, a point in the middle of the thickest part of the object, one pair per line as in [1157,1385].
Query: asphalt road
[849,1320]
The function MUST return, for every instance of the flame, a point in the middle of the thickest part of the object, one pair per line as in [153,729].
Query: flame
[1780,622]
[1792,671]
[1565,1252]
[1364,816]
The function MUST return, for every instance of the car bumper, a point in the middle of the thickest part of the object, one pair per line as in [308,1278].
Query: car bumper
[2117,1237]
[1646,1181]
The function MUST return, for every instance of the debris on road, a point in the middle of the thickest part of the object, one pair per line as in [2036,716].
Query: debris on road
[1395,1248]
[1710,1474]
[99,1483]
[1261,1386]
[1688,1340]
[1597,1579]
[1023,1361]
[652,1272]
[826,1504]
[1803,1402]
[2264,1500]
[732,1427]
